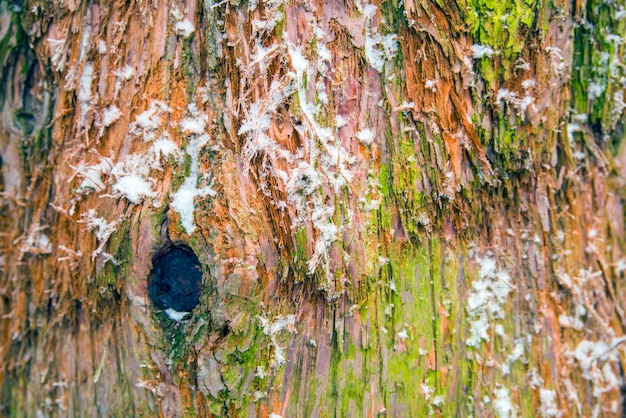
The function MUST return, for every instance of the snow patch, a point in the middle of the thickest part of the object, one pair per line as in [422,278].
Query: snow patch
[102,47]
[518,351]
[502,404]
[595,90]
[547,404]
[84,92]
[110,115]
[427,390]
[431,85]
[618,104]
[480,51]
[35,242]
[184,28]
[595,358]
[365,136]
[378,49]
[272,329]
[92,175]
[534,378]
[487,297]
[513,99]
[132,175]
[103,229]
[175,315]
[403,334]
[148,122]
[134,187]
[183,200]
[125,73]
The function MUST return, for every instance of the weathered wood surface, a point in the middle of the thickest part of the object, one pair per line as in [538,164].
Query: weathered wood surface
[402,208]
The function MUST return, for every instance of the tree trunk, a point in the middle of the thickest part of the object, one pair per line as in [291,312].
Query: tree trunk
[404,208]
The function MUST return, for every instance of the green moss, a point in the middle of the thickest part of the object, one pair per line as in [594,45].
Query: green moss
[412,302]
[19,62]
[280,23]
[394,22]
[596,69]
[15,40]
[427,304]
[385,219]
[36,147]
[212,34]
[502,25]
[299,257]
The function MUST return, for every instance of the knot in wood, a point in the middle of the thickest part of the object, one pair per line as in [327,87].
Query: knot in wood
[176,279]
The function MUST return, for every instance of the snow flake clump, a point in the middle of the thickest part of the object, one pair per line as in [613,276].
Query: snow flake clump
[129,177]
[502,403]
[518,351]
[132,175]
[184,28]
[488,294]
[110,115]
[271,329]
[100,226]
[548,407]
[183,201]
[595,360]
[365,136]
[84,92]
[480,51]
[150,120]
[134,187]
[378,49]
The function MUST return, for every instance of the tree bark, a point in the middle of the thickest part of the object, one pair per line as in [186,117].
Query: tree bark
[400,208]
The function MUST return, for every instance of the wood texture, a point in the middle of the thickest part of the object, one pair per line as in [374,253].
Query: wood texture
[402,208]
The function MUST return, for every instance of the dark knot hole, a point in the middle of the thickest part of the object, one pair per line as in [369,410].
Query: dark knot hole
[175,279]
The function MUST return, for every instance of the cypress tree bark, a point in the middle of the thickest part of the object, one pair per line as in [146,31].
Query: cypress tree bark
[399,208]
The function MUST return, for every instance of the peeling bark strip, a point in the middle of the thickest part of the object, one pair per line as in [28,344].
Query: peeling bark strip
[398,208]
